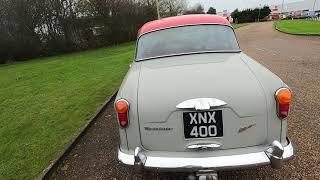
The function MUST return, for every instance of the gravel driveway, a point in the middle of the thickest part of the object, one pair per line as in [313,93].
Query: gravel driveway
[295,59]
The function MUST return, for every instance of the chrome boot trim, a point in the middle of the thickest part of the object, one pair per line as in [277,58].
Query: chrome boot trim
[201,103]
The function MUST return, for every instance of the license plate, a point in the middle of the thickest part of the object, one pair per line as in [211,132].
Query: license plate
[203,124]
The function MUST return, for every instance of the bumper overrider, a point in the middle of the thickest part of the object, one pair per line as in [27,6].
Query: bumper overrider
[274,155]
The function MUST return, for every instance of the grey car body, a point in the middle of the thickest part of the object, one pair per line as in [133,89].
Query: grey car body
[160,89]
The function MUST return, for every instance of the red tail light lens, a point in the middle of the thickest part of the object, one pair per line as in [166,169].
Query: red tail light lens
[122,108]
[283,97]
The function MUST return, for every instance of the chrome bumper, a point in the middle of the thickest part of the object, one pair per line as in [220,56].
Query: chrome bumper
[273,155]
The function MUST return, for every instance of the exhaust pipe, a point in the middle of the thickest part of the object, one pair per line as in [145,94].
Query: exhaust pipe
[207,175]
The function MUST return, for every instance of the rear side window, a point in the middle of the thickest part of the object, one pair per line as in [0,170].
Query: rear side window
[187,39]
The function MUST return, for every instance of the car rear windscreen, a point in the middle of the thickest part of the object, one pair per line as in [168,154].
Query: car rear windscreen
[187,39]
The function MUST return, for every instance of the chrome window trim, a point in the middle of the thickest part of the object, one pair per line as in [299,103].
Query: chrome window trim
[189,53]
[196,24]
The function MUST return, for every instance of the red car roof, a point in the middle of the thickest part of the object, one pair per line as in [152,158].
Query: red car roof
[182,20]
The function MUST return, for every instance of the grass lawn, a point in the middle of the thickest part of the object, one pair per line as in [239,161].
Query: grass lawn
[45,102]
[236,26]
[301,27]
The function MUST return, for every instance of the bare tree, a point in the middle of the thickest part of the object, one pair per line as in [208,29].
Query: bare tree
[31,28]
[172,7]
[212,11]
[196,9]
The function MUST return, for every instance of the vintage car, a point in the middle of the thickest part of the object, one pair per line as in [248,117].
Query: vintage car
[192,101]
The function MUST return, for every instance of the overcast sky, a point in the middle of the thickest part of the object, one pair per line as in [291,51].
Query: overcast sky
[230,5]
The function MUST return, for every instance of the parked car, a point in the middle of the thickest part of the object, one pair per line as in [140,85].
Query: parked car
[307,14]
[192,101]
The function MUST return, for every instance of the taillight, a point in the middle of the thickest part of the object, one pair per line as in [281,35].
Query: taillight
[283,98]
[122,108]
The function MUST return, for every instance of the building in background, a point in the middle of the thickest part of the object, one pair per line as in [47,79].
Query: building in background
[299,9]
[275,12]
[225,14]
